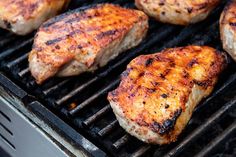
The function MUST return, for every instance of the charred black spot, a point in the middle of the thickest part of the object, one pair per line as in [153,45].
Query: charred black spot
[164,96]
[189,10]
[79,47]
[162,76]
[163,13]
[57,47]
[192,62]
[161,3]
[172,64]
[185,74]
[167,106]
[167,125]
[141,74]
[144,102]
[148,62]
[7,24]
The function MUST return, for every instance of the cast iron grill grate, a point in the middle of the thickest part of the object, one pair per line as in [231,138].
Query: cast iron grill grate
[81,101]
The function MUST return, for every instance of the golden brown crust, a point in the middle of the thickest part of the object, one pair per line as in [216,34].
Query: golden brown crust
[25,8]
[177,11]
[24,16]
[155,88]
[81,34]
[228,28]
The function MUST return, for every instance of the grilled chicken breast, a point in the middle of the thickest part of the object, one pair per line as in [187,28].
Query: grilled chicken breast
[24,16]
[85,39]
[228,28]
[158,92]
[180,12]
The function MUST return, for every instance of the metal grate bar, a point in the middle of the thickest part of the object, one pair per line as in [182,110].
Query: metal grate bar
[17,61]
[121,142]
[23,72]
[56,86]
[92,98]
[200,130]
[6,39]
[217,141]
[141,151]
[8,52]
[218,92]
[105,131]
[97,115]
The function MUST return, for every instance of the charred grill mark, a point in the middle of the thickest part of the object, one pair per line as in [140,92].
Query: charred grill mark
[152,90]
[203,84]
[106,33]
[149,62]
[53,41]
[65,15]
[165,73]
[167,125]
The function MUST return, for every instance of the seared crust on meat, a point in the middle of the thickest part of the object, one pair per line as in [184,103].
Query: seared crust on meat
[180,12]
[228,28]
[23,16]
[85,39]
[158,92]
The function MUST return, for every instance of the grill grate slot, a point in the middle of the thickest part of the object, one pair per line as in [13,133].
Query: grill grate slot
[6,129]
[82,100]
[7,142]
[202,129]
[231,130]
[5,116]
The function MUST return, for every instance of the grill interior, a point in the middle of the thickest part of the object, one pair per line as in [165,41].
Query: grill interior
[81,101]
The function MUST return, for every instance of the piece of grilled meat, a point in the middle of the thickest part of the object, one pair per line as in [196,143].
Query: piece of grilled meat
[228,28]
[180,12]
[85,39]
[158,92]
[23,16]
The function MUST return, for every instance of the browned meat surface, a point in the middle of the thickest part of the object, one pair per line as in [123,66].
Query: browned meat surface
[24,16]
[83,40]
[158,92]
[180,12]
[228,28]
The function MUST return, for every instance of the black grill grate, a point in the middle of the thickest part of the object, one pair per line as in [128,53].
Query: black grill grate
[81,101]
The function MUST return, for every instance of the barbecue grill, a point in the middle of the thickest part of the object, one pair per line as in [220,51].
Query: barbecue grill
[71,116]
